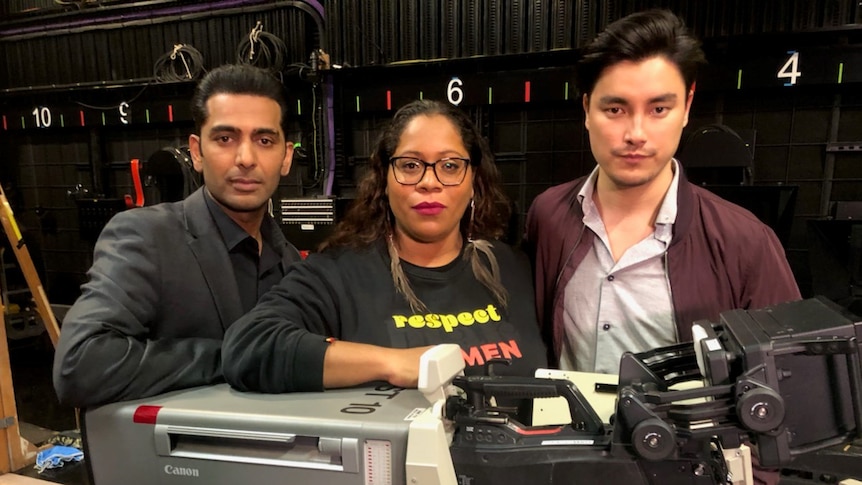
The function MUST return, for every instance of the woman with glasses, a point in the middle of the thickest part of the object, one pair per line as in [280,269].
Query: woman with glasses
[414,263]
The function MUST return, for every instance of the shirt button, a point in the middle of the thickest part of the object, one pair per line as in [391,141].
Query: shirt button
[606,326]
[610,277]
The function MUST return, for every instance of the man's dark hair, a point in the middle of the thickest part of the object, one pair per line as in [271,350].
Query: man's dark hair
[237,79]
[638,37]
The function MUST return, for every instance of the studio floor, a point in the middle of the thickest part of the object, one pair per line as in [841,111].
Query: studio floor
[40,414]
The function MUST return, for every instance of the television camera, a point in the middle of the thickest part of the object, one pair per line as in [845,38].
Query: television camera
[784,380]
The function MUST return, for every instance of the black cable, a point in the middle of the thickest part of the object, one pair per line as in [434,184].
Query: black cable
[192,179]
[183,63]
[318,144]
[79,4]
[113,107]
[302,70]
[262,49]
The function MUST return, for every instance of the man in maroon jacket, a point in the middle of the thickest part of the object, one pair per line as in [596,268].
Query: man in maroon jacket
[628,257]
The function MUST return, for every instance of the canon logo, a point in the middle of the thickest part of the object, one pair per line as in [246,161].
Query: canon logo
[181,471]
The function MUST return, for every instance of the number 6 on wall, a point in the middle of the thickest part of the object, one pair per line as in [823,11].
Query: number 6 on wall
[790,69]
[454,91]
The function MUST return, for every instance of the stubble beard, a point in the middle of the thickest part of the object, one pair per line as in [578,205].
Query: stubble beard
[634,180]
[628,183]
[238,208]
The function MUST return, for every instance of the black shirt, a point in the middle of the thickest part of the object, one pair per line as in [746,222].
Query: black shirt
[255,272]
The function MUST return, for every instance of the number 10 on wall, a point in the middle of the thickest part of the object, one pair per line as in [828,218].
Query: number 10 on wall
[790,69]
[42,116]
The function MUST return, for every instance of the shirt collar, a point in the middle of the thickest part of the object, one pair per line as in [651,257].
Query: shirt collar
[270,232]
[230,231]
[587,204]
[666,213]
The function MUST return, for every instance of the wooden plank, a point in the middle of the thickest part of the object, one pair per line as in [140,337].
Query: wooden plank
[12,479]
[7,400]
[26,264]
[13,450]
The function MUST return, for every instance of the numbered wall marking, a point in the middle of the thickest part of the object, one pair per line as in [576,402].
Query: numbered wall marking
[454,92]
[790,69]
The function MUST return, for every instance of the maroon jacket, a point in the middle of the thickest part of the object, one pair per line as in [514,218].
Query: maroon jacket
[721,258]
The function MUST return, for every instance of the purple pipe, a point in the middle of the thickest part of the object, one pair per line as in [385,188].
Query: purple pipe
[318,7]
[162,12]
[329,100]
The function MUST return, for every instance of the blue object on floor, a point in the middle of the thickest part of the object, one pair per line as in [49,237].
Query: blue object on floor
[57,456]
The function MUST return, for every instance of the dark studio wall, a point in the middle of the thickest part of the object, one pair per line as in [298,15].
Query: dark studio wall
[385,52]
[81,76]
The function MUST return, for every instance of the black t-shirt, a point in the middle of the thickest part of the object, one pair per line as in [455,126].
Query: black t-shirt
[460,311]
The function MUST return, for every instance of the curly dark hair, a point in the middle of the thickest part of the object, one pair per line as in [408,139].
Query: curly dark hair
[370,219]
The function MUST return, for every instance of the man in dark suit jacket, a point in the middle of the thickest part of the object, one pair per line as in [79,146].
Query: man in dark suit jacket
[167,280]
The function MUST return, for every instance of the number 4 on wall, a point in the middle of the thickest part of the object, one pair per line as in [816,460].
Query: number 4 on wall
[790,69]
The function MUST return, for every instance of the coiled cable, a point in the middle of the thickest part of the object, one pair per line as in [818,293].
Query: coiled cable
[262,49]
[183,63]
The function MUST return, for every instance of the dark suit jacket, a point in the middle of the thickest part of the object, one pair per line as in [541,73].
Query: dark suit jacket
[160,295]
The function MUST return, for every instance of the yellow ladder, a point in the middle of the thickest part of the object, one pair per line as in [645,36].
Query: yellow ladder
[43,308]
[15,451]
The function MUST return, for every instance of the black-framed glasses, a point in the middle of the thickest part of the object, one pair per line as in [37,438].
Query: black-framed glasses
[410,170]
